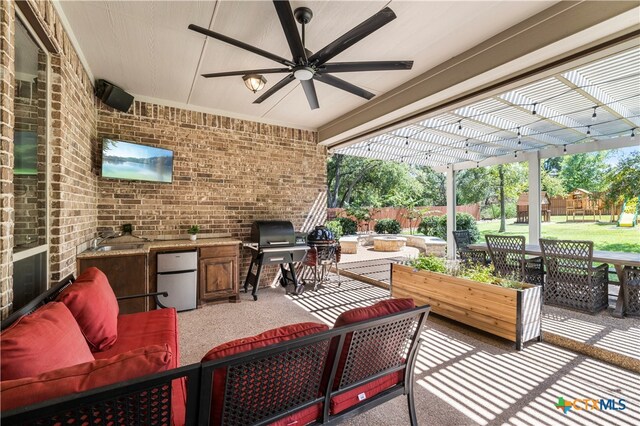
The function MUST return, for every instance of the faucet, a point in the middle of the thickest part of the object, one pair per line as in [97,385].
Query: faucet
[102,237]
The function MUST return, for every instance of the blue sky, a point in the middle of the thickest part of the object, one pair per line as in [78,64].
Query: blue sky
[126,149]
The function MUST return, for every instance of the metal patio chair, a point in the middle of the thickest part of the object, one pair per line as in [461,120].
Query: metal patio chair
[463,239]
[572,280]
[509,260]
[631,283]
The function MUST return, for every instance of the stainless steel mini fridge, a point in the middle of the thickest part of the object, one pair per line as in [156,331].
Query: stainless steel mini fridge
[178,276]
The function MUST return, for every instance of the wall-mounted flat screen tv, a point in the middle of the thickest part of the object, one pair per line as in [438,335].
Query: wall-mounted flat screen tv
[132,161]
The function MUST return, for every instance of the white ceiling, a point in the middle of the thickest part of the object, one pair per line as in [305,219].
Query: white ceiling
[146,48]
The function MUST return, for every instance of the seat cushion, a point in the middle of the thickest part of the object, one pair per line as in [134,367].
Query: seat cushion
[262,340]
[348,399]
[82,377]
[156,327]
[47,339]
[94,306]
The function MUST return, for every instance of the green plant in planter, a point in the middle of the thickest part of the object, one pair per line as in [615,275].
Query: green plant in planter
[429,263]
[388,226]
[348,225]
[193,230]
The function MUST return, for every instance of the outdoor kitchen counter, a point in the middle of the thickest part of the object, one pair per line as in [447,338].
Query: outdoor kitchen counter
[157,245]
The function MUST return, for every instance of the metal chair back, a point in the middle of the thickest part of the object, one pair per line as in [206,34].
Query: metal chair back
[463,239]
[507,254]
[566,259]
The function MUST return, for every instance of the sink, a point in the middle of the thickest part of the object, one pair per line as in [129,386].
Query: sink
[119,247]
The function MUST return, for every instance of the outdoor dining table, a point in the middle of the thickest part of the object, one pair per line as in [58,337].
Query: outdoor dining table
[618,259]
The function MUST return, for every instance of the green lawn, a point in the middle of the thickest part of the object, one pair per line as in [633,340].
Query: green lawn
[605,236]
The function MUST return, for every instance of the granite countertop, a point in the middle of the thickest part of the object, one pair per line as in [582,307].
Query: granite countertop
[154,245]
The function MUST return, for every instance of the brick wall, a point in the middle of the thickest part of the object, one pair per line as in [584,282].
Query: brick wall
[7,31]
[227,173]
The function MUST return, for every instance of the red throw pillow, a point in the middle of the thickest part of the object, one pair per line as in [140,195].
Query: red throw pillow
[94,305]
[79,378]
[262,340]
[45,340]
[380,309]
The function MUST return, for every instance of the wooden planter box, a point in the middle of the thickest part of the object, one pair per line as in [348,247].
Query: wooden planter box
[505,312]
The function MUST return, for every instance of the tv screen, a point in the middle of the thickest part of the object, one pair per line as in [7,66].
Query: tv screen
[127,160]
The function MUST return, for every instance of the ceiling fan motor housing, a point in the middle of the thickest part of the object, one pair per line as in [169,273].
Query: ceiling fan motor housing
[303,15]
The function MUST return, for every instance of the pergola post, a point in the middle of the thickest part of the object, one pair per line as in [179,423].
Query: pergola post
[451,212]
[534,196]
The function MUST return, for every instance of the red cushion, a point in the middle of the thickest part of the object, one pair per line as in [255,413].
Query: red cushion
[82,377]
[350,398]
[262,340]
[380,309]
[155,327]
[93,304]
[46,340]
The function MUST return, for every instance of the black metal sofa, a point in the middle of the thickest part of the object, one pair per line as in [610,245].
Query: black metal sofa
[360,353]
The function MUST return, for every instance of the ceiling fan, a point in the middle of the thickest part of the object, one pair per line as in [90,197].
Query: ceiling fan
[306,66]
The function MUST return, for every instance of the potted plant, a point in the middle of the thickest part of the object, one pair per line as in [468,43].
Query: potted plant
[193,232]
[472,295]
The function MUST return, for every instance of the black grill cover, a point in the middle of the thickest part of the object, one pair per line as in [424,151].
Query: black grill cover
[273,233]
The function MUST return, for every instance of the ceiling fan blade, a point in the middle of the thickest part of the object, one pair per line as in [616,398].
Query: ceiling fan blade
[279,85]
[241,45]
[353,36]
[290,30]
[341,84]
[366,66]
[230,73]
[310,91]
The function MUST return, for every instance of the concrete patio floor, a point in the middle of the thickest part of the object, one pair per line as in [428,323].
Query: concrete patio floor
[463,377]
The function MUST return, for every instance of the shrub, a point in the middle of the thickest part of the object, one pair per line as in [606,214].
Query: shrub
[335,227]
[388,226]
[436,226]
[432,226]
[429,263]
[348,225]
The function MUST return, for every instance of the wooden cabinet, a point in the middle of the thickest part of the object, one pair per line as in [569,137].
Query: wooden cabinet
[218,272]
[127,275]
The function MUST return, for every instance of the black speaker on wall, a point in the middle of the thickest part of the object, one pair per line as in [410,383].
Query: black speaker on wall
[113,96]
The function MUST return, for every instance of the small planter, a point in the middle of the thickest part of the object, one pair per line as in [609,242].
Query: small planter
[193,237]
[505,312]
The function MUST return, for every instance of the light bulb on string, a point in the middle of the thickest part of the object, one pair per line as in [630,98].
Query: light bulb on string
[534,112]
[633,132]
[588,130]
[564,148]
[407,140]
[459,124]
[594,115]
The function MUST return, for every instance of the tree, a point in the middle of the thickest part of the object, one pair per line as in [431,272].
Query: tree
[552,185]
[623,180]
[585,171]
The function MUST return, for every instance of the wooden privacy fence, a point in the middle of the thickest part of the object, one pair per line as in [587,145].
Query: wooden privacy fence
[400,214]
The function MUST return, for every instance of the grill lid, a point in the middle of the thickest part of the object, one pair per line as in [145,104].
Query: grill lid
[320,235]
[273,233]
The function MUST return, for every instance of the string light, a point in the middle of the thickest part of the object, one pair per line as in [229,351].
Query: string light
[459,124]
[369,147]
[519,136]
[466,143]
[477,164]
[633,132]
[515,154]
[407,141]
[534,108]
[589,129]
[594,115]
[564,149]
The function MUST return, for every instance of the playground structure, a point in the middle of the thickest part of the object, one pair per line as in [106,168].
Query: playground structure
[629,213]
[583,202]
[522,206]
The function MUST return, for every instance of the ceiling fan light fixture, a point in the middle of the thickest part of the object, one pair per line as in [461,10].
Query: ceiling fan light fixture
[254,82]
[303,73]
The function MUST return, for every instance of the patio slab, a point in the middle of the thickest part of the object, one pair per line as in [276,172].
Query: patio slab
[463,377]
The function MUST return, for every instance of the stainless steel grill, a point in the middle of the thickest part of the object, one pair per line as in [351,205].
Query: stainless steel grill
[275,242]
